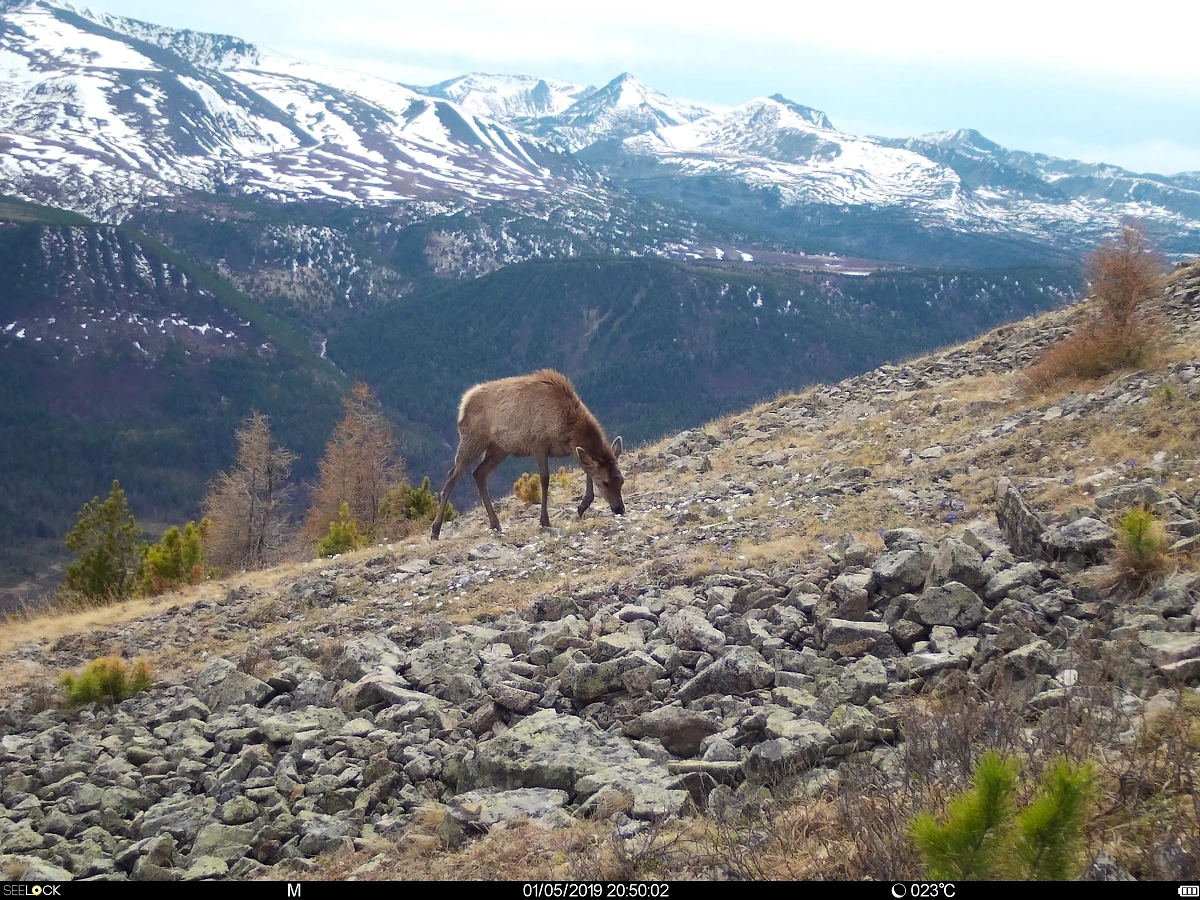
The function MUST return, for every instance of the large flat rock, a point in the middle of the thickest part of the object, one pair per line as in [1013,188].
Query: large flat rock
[567,753]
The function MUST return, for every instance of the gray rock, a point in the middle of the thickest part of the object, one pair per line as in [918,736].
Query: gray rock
[958,655]
[951,604]
[323,834]
[985,538]
[542,804]
[1185,670]
[239,811]
[956,561]
[566,753]
[853,638]
[34,869]
[1019,524]
[227,842]
[1004,583]
[680,730]
[1166,647]
[780,757]
[361,656]
[384,686]
[853,724]
[588,682]
[739,671]
[205,868]
[19,837]
[863,679]
[221,684]
[1174,597]
[1087,536]
[513,698]
[902,571]
[1106,868]
[905,633]
[1035,658]
[689,629]
[181,817]
[1125,495]
[434,663]
[848,595]
[897,539]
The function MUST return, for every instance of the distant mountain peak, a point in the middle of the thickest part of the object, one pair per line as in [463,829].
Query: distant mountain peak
[508,98]
[815,116]
[962,139]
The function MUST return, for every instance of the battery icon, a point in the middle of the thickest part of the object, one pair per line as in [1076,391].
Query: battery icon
[1189,890]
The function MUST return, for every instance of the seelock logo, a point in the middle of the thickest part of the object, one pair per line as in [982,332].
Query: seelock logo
[33,890]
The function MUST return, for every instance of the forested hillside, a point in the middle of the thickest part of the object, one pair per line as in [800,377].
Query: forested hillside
[115,362]
[656,346]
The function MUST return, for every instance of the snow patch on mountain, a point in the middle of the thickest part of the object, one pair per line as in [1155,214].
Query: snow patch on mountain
[509,97]
[622,108]
[100,113]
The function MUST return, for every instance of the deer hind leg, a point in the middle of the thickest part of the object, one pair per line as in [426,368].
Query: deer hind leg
[543,464]
[483,471]
[588,496]
[468,452]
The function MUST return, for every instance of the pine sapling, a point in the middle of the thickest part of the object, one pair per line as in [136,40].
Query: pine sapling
[969,844]
[1048,834]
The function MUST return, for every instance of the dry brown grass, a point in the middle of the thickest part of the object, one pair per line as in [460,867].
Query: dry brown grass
[1120,329]
[1094,350]
[857,828]
[517,850]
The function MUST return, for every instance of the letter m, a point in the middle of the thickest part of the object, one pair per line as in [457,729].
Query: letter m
[293,890]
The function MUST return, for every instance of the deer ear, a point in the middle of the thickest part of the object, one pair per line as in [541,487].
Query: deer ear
[584,459]
[618,447]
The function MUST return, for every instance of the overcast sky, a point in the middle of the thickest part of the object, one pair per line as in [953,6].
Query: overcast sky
[1066,78]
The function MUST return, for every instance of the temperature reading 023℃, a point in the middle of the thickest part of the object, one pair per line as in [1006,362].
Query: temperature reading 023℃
[933,890]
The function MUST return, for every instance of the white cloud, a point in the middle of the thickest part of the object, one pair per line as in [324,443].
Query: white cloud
[1157,42]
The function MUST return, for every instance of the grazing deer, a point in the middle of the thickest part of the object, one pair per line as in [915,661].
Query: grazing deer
[537,415]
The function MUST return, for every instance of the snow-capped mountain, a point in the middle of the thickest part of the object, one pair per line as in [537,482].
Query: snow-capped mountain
[506,98]
[98,113]
[622,108]
[773,143]
[789,156]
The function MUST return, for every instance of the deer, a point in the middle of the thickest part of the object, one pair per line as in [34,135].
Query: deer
[537,415]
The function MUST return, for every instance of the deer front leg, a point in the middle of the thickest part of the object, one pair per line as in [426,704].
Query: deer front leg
[588,496]
[451,481]
[543,464]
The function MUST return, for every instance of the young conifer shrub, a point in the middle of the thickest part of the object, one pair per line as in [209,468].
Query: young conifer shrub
[528,488]
[345,534]
[968,844]
[563,479]
[405,506]
[176,560]
[1141,543]
[1047,840]
[984,835]
[106,680]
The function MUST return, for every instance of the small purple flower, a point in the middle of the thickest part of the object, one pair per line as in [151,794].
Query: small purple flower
[950,517]
[1068,481]
[1131,463]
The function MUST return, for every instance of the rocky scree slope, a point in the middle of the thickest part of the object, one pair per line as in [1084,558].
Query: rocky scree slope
[787,584]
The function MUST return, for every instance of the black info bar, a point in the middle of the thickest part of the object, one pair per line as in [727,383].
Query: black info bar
[587,890]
